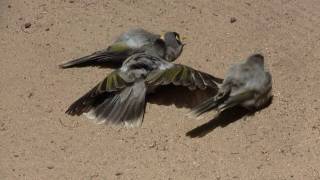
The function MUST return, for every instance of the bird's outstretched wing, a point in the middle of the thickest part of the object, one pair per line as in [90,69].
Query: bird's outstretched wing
[116,100]
[105,89]
[181,75]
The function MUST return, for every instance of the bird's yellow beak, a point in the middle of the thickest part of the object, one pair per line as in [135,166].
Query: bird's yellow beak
[184,38]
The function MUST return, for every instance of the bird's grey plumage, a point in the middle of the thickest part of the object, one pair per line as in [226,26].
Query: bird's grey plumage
[121,97]
[129,43]
[247,84]
[136,38]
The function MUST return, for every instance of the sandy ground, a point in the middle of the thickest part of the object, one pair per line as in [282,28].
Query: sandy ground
[38,141]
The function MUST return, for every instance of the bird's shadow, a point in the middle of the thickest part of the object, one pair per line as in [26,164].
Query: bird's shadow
[179,96]
[223,119]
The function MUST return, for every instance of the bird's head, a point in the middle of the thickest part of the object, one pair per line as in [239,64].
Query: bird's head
[257,59]
[173,44]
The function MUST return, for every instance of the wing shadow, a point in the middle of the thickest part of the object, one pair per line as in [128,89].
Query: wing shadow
[179,96]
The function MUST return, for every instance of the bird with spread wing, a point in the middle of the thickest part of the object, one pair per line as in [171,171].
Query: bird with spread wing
[121,97]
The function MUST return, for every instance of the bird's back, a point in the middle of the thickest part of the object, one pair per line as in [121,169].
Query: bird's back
[141,64]
[248,76]
[136,38]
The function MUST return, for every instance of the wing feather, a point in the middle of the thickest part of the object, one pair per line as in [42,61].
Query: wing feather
[105,89]
[181,75]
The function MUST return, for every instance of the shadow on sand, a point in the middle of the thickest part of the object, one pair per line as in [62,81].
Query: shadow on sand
[179,96]
[222,120]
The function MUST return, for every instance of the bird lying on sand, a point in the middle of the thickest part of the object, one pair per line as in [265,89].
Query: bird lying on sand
[129,43]
[121,97]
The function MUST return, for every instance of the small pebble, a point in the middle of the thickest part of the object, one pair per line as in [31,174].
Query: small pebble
[9,6]
[50,167]
[233,19]
[30,94]
[118,173]
[27,25]
[154,144]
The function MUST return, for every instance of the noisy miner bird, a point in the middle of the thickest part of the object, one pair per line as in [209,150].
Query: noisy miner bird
[129,43]
[121,97]
[247,84]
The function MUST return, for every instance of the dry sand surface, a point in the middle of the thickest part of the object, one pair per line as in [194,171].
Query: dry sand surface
[38,141]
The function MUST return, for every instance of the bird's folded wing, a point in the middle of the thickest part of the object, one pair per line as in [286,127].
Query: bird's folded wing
[181,75]
[111,84]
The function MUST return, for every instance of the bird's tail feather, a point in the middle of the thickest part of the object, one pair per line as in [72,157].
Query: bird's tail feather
[212,103]
[93,59]
[204,107]
[236,100]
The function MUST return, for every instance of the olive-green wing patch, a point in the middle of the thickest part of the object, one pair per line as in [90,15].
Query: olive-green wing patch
[181,75]
[113,82]
[118,47]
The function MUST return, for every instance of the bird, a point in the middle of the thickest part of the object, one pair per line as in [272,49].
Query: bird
[247,84]
[128,43]
[120,99]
